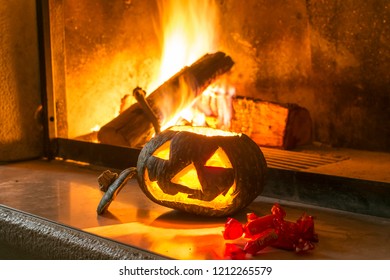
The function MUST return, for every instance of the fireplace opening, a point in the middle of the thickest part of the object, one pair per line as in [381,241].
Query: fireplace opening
[302,79]
[296,78]
[323,62]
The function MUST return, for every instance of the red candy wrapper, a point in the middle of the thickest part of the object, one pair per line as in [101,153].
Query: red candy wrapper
[270,230]
[278,211]
[306,228]
[258,225]
[265,239]
[233,229]
[288,235]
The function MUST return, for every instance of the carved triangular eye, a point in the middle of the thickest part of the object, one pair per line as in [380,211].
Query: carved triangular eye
[219,159]
[188,177]
[162,152]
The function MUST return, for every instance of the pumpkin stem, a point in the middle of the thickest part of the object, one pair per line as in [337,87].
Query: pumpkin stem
[106,179]
[112,184]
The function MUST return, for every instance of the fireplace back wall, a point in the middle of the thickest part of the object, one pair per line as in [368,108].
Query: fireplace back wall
[331,57]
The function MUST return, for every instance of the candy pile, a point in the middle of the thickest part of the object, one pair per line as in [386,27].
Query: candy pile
[270,230]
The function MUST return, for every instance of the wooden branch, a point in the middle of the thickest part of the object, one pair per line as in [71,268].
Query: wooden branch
[133,127]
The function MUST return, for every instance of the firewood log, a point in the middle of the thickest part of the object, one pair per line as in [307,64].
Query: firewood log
[272,124]
[134,128]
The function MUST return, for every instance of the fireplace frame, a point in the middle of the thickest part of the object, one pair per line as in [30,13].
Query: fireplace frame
[50,20]
[348,194]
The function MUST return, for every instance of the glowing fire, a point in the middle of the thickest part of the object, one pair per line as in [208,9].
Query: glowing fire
[188,31]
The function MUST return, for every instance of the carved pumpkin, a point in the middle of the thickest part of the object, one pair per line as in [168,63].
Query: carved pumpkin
[193,170]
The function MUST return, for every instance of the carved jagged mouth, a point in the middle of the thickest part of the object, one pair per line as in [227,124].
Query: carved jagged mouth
[222,201]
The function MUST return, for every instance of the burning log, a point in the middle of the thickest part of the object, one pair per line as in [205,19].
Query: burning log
[272,124]
[134,126]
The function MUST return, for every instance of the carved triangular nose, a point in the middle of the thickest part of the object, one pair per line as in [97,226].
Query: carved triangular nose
[219,159]
[188,177]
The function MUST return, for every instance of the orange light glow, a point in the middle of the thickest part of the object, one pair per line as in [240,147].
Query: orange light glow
[221,202]
[188,177]
[207,131]
[200,242]
[163,151]
[219,159]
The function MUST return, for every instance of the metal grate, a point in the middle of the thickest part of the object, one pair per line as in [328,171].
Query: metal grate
[297,160]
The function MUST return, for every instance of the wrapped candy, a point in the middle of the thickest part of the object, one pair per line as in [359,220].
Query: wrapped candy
[270,230]
[298,236]
[233,229]
[278,211]
[258,225]
[288,235]
[266,238]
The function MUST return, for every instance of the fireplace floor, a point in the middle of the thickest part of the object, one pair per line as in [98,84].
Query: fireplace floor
[60,199]
[358,164]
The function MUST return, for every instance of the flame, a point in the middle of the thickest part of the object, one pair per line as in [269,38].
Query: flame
[188,32]
[96,128]
[217,101]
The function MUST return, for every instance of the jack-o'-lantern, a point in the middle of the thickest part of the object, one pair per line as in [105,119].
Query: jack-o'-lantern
[198,170]
[201,170]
